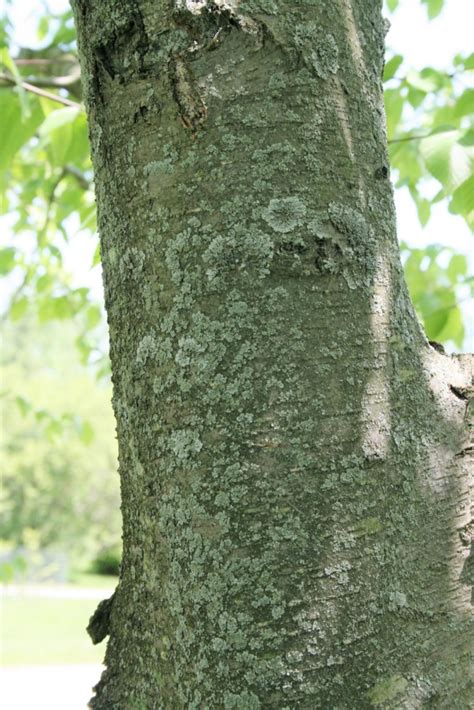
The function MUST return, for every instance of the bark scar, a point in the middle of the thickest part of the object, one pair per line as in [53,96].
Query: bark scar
[192,109]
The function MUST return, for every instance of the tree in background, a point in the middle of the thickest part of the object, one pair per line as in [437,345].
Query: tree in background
[293,453]
[59,483]
[308,483]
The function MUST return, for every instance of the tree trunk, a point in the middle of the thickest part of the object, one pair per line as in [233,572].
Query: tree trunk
[293,453]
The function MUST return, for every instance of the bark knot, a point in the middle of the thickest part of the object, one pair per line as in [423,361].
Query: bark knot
[99,623]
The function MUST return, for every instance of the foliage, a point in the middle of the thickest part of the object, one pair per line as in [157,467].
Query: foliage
[107,561]
[46,180]
[430,126]
[435,276]
[57,492]
[440,145]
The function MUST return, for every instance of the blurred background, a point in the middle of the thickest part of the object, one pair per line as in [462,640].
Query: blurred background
[59,504]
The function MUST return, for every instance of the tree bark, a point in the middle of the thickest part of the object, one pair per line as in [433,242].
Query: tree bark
[293,454]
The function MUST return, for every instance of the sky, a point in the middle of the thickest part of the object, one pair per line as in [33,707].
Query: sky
[420,41]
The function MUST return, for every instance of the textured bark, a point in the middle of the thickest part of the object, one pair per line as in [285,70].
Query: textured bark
[293,454]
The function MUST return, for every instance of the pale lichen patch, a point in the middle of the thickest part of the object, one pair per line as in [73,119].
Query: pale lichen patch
[319,50]
[387,689]
[147,349]
[284,214]
[131,263]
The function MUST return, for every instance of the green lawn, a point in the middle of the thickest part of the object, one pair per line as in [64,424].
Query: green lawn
[47,631]
[95,581]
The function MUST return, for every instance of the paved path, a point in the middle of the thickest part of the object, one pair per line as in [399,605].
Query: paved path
[58,591]
[64,687]
[48,687]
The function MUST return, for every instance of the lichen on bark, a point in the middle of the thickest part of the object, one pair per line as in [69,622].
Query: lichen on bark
[293,469]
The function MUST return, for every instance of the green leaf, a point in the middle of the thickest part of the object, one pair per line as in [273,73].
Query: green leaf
[66,32]
[405,158]
[53,428]
[18,308]
[16,130]
[435,322]
[467,138]
[435,79]
[84,348]
[453,328]
[392,66]
[415,96]
[86,433]
[7,260]
[10,66]
[462,201]
[96,257]
[434,7]
[447,160]
[55,308]
[44,282]
[469,62]
[93,316]
[392,5]
[79,149]
[393,109]
[463,197]
[43,27]
[424,211]
[465,104]
[23,405]
[7,572]
[57,131]
[55,252]
[56,119]
[425,81]
[457,267]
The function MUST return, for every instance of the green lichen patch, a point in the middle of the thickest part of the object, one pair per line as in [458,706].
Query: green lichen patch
[368,526]
[283,215]
[147,350]
[319,49]
[239,249]
[387,689]
[131,264]
[397,600]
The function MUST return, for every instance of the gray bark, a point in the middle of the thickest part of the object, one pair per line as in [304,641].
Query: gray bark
[293,453]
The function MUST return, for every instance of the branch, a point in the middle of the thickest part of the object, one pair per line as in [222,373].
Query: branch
[44,61]
[418,137]
[6,79]
[76,173]
[4,316]
[58,82]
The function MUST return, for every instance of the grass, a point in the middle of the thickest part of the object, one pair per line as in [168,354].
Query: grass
[47,631]
[96,581]
[37,630]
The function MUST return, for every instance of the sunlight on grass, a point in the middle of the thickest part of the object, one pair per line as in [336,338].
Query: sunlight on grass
[47,631]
